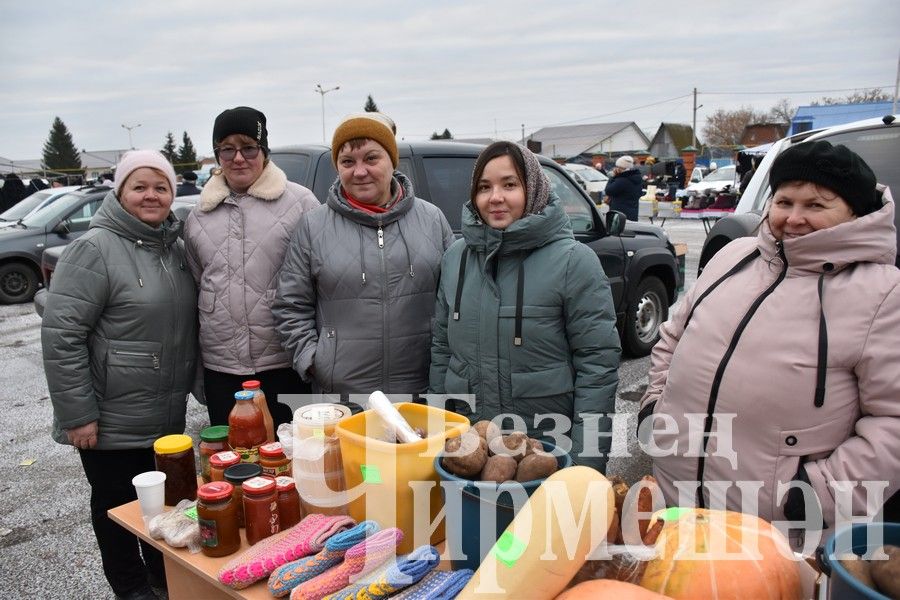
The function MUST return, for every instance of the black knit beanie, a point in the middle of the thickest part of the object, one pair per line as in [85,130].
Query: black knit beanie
[835,167]
[244,120]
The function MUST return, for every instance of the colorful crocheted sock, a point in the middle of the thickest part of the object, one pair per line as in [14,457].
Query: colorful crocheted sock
[393,577]
[286,577]
[305,538]
[362,558]
[437,585]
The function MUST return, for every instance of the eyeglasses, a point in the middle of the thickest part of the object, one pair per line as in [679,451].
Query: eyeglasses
[228,153]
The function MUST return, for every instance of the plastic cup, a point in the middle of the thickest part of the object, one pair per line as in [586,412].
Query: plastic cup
[151,488]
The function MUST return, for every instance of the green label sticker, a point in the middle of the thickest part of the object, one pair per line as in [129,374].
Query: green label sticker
[318,433]
[370,473]
[191,513]
[508,549]
[674,513]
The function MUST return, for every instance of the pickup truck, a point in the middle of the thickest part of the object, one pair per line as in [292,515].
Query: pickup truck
[638,259]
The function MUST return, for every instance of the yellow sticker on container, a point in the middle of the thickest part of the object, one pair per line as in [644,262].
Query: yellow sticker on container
[508,549]
[191,513]
[370,473]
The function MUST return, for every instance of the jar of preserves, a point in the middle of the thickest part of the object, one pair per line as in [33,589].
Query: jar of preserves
[217,518]
[246,427]
[236,475]
[212,440]
[259,397]
[260,509]
[289,511]
[221,461]
[175,458]
[273,461]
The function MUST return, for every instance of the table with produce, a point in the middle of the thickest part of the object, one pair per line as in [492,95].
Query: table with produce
[406,500]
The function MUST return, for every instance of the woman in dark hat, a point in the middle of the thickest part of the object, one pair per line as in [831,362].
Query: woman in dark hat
[235,238]
[787,349]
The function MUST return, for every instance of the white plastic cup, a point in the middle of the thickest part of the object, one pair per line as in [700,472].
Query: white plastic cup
[151,492]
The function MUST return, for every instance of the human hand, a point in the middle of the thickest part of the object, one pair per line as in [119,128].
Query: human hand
[83,437]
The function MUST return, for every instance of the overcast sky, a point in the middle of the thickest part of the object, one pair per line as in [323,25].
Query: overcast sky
[480,69]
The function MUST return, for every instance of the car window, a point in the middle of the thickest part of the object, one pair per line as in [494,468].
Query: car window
[723,174]
[47,213]
[80,218]
[26,205]
[576,207]
[879,148]
[449,180]
[295,166]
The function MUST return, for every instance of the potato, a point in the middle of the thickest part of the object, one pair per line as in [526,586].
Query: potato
[486,429]
[858,568]
[514,445]
[886,573]
[469,453]
[536,466]
[499,468]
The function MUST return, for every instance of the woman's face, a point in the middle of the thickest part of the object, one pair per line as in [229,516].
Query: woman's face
[500,193]
[146,194]
[366,172]
[801,207]
[240,172]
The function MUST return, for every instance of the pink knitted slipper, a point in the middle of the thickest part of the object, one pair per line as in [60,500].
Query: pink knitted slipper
[305,538]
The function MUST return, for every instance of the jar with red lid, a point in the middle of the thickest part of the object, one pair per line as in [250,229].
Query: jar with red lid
[217,518]
[219,462]
[236,475]
[289,511]
[212,440]
[260,508]
[273,461]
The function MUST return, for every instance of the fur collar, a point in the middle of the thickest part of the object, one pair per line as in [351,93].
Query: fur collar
[270,186]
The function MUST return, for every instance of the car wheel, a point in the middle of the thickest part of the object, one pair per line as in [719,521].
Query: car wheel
[18,283]
[647,311]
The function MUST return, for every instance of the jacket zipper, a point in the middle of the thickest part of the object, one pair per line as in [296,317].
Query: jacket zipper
[153,355]
[385,322]
[723,364]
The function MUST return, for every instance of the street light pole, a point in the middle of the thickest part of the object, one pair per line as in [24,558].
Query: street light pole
[319,90]
[129,128]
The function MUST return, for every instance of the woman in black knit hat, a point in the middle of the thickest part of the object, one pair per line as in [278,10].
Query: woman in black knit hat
[787,349]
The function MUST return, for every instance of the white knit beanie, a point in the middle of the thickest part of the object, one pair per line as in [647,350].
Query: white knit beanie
[136,159]
[625,162]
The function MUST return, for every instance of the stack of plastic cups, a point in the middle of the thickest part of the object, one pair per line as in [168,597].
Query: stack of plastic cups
[317,466]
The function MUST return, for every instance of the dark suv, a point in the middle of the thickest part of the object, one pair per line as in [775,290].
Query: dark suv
[638,259]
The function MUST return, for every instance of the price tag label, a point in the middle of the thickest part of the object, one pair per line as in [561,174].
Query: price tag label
[318,433]
[508,549]
[674,513]
[191,513]
[370,473]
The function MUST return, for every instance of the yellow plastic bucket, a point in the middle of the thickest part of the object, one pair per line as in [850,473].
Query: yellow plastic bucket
[378,473]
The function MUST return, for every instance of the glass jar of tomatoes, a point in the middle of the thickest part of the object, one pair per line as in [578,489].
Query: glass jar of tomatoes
[217,518]
[175,458]
[236,475]
[259,397]
[289,511]
[260,509]
[212,440]
[219,462]
[246,428]
[273,461]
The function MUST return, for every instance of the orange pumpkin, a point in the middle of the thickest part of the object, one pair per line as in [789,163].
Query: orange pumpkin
[708,554]
[609,588]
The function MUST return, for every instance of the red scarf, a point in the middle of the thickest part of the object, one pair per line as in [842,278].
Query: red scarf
[372,209]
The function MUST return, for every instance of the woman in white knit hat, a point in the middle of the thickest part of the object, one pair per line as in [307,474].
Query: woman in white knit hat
[119,343]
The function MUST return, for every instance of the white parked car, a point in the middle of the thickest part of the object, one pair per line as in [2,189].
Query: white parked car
[592,180]
[718,180]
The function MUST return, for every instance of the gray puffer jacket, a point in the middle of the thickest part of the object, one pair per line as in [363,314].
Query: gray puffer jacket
[356,293]
[235,245]
[120,331]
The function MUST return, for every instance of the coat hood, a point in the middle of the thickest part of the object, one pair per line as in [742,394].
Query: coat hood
[339,204]
[270,186]
[633,174]
[529,232]
[113,217]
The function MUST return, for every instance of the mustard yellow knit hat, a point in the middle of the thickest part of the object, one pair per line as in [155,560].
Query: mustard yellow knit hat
[370,125]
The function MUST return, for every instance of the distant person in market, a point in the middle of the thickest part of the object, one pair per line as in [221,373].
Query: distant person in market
[119,345]
[791,337]
[12,192]
[624,188]
[356,293]
[188,187]
[236,238]
[525,320]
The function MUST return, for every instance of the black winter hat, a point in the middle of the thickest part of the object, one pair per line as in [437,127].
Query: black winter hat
[244,120]
[835,167]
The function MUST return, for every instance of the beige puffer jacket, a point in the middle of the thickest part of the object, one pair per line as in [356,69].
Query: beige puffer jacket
[235,246]
[752,347]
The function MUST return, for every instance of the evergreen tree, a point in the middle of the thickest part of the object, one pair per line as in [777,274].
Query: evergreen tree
[59,149]
[187,156]
[168,150]
[370,105]
[442,136]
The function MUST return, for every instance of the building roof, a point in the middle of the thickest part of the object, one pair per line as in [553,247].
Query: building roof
[838,114]
[483,141]
[681,134]
[571,140]
[100,159]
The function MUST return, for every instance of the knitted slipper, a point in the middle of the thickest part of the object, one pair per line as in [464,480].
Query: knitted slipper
[305,538]
[362,558]
[390,579]
[288,576]
[437,585]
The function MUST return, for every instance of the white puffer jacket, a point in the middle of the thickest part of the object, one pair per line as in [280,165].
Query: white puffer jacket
[235,246]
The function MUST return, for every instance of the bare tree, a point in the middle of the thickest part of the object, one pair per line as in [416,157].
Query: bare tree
[858,97]
[783,111]
[724,127]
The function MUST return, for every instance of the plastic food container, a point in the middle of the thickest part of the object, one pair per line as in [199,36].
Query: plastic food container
[378,473]
[317,464]
[841,583]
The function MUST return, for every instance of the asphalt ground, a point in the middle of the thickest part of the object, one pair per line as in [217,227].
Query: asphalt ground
[46,541]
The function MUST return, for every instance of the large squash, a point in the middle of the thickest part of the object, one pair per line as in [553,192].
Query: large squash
[708,554]
[611,589]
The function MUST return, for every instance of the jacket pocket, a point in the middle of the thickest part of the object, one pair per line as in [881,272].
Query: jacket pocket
[133,377]
[549,391]
[326,353]
[456,385]
[206,300]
